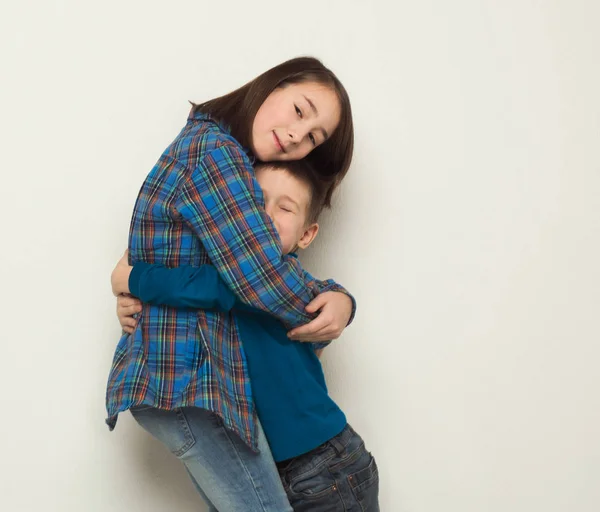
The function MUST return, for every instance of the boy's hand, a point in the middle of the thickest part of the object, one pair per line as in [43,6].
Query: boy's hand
[335,311]
[127,306]
[119,279]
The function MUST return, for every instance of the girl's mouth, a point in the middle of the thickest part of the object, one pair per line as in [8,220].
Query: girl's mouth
[278,142]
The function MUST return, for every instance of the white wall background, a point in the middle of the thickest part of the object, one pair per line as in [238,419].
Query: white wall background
[468,228]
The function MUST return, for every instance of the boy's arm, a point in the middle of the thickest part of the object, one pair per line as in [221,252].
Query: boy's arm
[180,287]
[190,287]
[187,287]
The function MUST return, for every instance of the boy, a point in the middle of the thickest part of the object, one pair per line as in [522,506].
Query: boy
[322,462]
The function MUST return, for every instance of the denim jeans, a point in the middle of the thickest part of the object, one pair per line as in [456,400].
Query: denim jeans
[338,475]
[228,475]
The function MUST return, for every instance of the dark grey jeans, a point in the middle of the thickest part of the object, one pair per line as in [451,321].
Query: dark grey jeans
[338,475]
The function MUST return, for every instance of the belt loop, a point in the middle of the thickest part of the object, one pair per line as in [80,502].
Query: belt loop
[337,445]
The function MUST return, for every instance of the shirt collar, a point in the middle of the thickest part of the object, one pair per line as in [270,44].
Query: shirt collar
[196,115]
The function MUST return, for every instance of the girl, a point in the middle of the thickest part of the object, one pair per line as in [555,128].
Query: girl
[185,369]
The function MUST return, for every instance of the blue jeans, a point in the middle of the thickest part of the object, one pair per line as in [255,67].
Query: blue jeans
[229,476]
[338,475]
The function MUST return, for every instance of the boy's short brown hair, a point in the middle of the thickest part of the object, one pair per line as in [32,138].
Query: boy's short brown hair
[302,170]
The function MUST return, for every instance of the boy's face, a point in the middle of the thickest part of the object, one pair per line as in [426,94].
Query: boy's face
[286,201]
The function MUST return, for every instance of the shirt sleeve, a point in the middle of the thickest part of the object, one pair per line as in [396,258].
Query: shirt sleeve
[331,286]
[193,287]
[190,287]
[217,203]
[180,287]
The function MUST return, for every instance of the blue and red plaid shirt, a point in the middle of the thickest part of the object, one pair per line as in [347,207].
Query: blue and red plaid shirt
[202,204]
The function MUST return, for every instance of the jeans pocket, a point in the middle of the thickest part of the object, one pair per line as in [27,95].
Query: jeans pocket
[365,486]
[169,427]
[314,491]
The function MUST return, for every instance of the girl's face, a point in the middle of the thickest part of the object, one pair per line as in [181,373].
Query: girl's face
[293,121]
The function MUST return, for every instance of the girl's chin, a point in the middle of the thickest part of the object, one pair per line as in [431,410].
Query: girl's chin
[263,156]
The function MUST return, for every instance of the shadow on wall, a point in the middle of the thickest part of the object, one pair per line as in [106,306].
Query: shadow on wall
[163,474]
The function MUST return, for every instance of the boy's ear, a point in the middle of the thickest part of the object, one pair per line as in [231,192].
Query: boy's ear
[310,233]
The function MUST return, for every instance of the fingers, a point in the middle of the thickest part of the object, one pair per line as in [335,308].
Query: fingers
[326,334]
[126,301]
[127,306]
[128,310]
[322,335]
[317,303]
[310,328]
[333,318]
[311,332]
[127,322]
[315,339]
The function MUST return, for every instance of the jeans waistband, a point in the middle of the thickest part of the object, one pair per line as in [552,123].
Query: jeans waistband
[342,440]
[337,443]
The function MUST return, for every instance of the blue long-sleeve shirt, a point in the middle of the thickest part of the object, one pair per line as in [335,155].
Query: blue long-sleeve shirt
[286,376]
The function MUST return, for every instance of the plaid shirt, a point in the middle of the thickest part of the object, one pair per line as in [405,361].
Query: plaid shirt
[202,204]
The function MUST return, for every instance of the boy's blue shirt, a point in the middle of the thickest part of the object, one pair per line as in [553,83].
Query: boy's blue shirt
[286,376]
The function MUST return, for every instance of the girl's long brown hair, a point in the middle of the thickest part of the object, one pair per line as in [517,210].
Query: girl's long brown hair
[238,110]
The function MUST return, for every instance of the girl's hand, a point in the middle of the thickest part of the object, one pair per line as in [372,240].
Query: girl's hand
[119,279]
[128,306]
[335,311]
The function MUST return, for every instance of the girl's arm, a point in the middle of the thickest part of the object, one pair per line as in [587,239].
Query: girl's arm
[217,201]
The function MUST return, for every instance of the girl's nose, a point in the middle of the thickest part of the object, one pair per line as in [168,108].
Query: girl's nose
[297,134]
